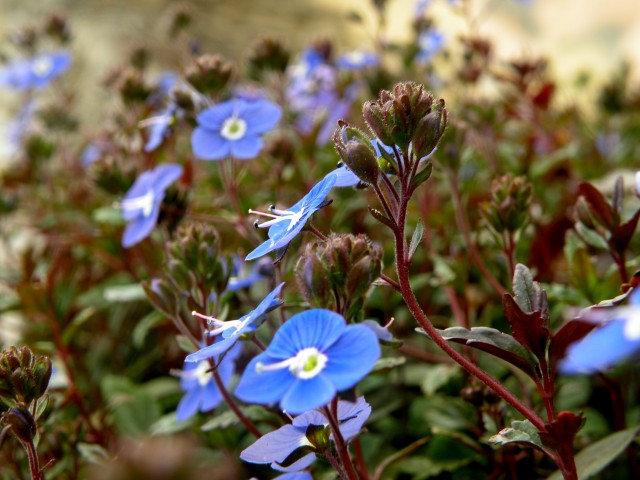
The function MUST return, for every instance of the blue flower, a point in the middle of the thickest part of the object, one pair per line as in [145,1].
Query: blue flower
[90,154]
[232,330]
[241,278]
[276,446]
[36,72]
[286,224]
[608,345]
[141,204]
[201,392]
[357,60]
[234,128]
[312,356]
[430,42]
[158,127]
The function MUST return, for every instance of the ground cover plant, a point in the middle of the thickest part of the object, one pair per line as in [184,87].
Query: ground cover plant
[408,261]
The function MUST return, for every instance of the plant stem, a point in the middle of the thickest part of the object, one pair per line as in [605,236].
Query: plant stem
[32,455]
[232,405]
[341,445]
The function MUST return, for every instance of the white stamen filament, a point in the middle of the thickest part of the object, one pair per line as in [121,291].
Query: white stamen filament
[278,216]
[202,373]
[144,203]
[220,324]
[307,363]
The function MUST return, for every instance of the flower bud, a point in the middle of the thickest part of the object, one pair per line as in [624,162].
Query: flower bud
[21,423]
[355,150]
[23,377]
[508,209]
[313,280]
[268,54]
[210,74]
[57,27]
[132,87]
[429,131]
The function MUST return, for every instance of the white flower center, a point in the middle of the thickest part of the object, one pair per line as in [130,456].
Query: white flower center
[233,128]
[632,327]
[203,373]
[42,66]
[144,203]
[307,363]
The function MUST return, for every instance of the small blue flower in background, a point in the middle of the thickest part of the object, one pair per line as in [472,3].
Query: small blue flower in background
[141,205]
[201,392]
[276,446]
[314,355]
[430,42]
[18,128]
[286,224]
[232,330]
[357,60]
[36,72]
[158,127]
[234,128]
[615,341]
[242,277]
[90,154]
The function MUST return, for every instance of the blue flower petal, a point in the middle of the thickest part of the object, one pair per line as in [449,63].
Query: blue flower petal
[141,228]
[304,395]
[189,404]
[165,175]
[352,417]
[317,328]
[211,351]
[345,177]
[211,396]
[246,147]
[213,118]
[209,145]
[599,350]
[266,387]
[275,446]
[260,250]
[261,116]
[352,356]
[295,467]
[298,475]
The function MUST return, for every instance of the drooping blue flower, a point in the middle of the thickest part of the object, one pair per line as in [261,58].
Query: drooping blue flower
[36,72]
[613,342]
[141,205]
[232,330]
[201,392]
[234,128]
[158,127]
[286,224]
[314,355]
[357,60]
[430,42]
[276,446]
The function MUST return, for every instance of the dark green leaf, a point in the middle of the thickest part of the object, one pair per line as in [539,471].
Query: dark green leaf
[416,238]
[519,432]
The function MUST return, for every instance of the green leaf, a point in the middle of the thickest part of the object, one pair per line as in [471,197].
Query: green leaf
[228,418]
[108,216]
[416,238]
[519,432]
[526,290]
[168,424]
[185,344]
[590,237]
[125,293]
[381,217]
[422,176]
[592,459]
[388,363]
[142,328]
[93,453]
[437,376]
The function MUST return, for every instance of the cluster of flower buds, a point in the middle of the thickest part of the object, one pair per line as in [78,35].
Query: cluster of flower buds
[23,377]
[195,266]
[338,272]
[268,54]
[210,74]
[508,209]
[132,87]
[407,116]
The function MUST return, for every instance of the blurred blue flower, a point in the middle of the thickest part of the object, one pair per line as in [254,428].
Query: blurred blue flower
[616,340]
[286,224]
[314,355]
[158,127]
[36,72]
[243,277]
[90,154]
[17,129]
[232,330]
[276,446]
[294,476]
[201,392]
[141,205]
[234,128]
[430,42]
[357,60]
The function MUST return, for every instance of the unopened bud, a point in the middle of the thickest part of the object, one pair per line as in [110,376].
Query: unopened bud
[21,423]
[210,74]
